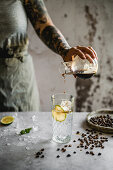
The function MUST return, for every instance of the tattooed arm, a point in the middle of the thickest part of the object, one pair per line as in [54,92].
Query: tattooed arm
[49,34]
[44,27]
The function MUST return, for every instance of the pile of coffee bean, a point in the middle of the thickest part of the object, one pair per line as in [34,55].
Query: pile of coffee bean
[90,140]
[103,120]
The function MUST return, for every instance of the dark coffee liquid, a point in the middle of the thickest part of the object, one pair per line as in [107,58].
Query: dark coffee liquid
[85,76]
[63,75]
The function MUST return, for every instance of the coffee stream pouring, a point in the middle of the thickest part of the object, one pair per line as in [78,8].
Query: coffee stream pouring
[81,68]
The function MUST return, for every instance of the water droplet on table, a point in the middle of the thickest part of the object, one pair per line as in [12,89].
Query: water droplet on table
[27,148]
[35,128]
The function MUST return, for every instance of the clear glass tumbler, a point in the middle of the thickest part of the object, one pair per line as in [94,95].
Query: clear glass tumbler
[62,116]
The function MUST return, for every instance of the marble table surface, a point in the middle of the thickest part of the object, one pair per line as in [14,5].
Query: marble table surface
[18,152]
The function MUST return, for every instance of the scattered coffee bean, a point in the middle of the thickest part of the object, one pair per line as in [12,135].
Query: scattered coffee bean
[68,155]
[101,137]
[74,141]
[42,150]
[74,152]
[58,156]
[99,154]
[69,145]
[63,150]
[102,147]
[42,156]
[91,153]
[86,147]
[58,149]
[65,146]
[106,140]
[81,140]
[83,135]
[87,152]
[38,153]
[37,156]
[91,148]
[77,132]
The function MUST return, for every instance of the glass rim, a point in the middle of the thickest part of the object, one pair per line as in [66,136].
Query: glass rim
[58,94]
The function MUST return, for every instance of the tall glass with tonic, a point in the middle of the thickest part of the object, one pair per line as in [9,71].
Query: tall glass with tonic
[62,115]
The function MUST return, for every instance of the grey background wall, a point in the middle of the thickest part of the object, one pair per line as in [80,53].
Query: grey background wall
[82,22]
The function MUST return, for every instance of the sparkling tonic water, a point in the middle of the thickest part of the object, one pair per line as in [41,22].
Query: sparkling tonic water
[62,130]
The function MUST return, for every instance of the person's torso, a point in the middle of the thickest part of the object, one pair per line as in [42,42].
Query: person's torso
[13,21]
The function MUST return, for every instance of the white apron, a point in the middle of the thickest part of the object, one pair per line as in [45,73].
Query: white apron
[18,90]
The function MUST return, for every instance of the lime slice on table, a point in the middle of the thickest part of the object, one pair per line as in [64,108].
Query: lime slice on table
[59,114]
[7,120]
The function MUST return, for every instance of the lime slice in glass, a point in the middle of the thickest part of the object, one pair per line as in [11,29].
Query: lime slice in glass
[59,116]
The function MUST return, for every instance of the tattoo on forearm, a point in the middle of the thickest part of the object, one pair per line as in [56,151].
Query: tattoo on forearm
[44,27]
[54,39]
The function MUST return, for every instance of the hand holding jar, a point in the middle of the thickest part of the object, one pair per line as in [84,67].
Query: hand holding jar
[81,62]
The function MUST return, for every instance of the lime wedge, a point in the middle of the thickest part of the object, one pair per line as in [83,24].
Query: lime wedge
[59,116]
[7,120]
